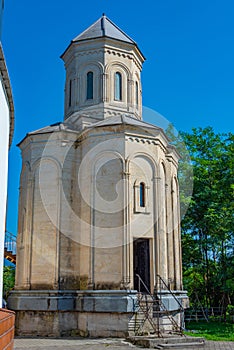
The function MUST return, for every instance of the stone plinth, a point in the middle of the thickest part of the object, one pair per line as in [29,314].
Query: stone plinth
[174,301]
[73,313]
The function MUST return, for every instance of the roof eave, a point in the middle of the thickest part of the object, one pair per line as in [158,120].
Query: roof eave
[101,37]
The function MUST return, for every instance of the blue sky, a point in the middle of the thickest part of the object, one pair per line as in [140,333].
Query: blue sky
[188,76]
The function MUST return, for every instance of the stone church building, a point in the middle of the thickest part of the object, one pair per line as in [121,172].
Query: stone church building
[99,200]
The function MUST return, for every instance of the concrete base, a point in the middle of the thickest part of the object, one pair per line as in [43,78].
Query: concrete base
[101,313]
[171,303]
[73,313]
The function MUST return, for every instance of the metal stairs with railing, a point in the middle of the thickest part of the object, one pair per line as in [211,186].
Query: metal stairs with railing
[153,325]
[152,316]
[10,247]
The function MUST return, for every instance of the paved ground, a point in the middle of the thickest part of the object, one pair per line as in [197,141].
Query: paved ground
[99,344]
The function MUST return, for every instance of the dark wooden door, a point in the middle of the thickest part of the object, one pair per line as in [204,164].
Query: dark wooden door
[141,263]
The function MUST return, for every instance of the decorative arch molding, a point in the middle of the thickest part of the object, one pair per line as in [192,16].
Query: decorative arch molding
[86,66]
[141,179]
[141,195]
[162,165]
[104,153]
[97,69]
[145,156]
[101,161]
[175,185]
[46,158]
[92,168]
[174,177]
[126,77]
[144,207]
[117,65]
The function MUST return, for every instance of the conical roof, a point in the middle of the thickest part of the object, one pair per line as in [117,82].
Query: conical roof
[104,27]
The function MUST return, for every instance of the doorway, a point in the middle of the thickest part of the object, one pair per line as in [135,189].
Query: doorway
[141,263]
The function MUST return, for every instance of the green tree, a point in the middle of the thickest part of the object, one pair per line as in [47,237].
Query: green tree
[207,230]
[8,280]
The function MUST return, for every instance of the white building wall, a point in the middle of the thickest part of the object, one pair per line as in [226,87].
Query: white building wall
[4,144]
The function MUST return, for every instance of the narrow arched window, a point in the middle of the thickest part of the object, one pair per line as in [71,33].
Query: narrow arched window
[70,93]
[89,86]
[118,86]
[137,94]
[142,195]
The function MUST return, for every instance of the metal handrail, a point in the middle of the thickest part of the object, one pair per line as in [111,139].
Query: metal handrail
[169,290]
[155,298]
[147,310]
[140,280]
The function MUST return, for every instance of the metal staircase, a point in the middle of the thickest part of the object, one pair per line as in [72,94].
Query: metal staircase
[152,316]
[10,247]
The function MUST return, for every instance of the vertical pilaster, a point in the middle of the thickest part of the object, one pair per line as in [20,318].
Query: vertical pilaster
[156,189]
[130,92]
[76,90]
[162,226]
[170,236]
[126,229]
[155,222]
[177,258]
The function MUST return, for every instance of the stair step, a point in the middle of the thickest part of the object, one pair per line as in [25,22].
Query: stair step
[179,345]
[167,342]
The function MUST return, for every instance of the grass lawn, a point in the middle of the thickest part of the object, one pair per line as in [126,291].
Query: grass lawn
[212,330]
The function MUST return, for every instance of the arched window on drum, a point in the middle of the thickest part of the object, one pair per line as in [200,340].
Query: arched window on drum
[89,94]
[118,86]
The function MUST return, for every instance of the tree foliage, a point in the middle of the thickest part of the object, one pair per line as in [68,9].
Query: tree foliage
[207,228]
[8,280]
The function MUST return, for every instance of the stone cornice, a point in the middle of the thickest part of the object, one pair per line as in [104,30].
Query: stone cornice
[75,51]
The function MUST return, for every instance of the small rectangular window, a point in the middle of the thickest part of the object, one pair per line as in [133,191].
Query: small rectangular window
[140,194]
